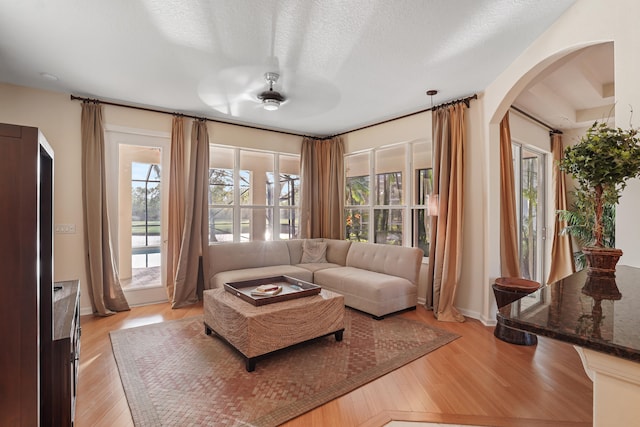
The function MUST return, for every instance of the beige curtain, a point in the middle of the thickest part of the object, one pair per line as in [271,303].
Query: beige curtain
[176,202]
[102,276]
[322,195]
[562,262]
[195,241]
[445,252]
[509,254]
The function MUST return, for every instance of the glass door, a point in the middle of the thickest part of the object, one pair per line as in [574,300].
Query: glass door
[529,173]
[140,216]
[137,188]
[145,223]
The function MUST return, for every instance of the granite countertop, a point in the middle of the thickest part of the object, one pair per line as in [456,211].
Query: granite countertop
[597,313]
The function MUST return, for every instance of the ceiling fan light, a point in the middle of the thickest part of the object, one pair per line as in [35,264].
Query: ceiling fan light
[270,104]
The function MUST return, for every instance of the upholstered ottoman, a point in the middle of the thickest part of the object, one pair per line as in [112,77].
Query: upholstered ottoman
[258,330]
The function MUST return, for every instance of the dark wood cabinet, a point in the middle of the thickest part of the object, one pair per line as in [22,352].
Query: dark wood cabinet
[65,353]
[26,282]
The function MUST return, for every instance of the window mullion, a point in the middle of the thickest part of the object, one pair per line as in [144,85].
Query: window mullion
[407,197]
[237,225]
[275,200]
[372,195]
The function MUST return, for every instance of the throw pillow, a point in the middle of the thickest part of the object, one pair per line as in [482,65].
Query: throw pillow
[313,252]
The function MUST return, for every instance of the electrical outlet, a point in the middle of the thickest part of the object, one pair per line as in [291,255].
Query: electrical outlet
[65,228]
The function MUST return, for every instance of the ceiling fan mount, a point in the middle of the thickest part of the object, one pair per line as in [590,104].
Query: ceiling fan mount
[271,99]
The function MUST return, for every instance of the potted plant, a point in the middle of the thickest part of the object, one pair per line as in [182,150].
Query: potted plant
[602,162]
[579,219]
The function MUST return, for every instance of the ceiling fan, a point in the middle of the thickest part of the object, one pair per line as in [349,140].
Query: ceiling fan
[271,99]
[239,92]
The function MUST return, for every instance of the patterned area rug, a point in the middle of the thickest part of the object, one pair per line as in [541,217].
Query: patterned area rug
[174,374]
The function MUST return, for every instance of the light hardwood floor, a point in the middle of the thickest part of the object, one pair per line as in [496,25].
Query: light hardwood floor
[476,379]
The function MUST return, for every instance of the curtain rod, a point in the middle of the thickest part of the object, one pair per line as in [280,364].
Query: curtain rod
[465,100]
[153,110]
[552,130]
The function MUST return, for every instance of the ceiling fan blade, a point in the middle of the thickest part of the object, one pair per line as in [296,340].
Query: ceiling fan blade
[224,89]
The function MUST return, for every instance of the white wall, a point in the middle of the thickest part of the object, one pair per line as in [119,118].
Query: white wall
[627,79]
[412,128]
[59,120]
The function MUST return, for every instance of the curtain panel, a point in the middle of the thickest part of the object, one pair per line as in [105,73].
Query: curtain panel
[562,262]
[176,214]
[322,193]
[509,253]
[105,290]
[193,262]
[445,252]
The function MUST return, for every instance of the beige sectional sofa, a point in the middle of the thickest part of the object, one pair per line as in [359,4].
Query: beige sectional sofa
[377,279]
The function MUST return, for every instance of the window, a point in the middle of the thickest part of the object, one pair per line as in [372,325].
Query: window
[423,187]
[377,185]
[289,197]
[253,195]
[145,214]
[221,194]
[388,221]
[420,218]
[357,206]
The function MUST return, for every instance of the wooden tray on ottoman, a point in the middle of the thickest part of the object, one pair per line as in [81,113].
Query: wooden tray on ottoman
[291,288]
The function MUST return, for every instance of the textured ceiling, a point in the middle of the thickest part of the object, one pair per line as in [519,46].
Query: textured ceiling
[343,64]
[575,91]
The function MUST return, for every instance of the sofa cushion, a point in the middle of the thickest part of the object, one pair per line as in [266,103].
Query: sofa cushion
[313,267]
[313,252]
[238,256]
[398,261]
[375,293]
[337,250]
[295,250]
[218,280]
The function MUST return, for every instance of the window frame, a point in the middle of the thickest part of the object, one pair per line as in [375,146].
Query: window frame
[273,207]
[408,189]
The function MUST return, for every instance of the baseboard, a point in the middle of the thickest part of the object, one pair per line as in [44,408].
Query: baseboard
[470,314]
[138,298]
[487,321]
[144,296]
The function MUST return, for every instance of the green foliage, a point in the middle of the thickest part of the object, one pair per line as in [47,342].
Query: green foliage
[357,190]
[602,162]
[580,219]
[605,156]
[145,202]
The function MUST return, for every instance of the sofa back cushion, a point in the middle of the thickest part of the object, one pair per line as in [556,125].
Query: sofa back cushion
[237,256]
[295,250]
[397,261]
[337,250]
